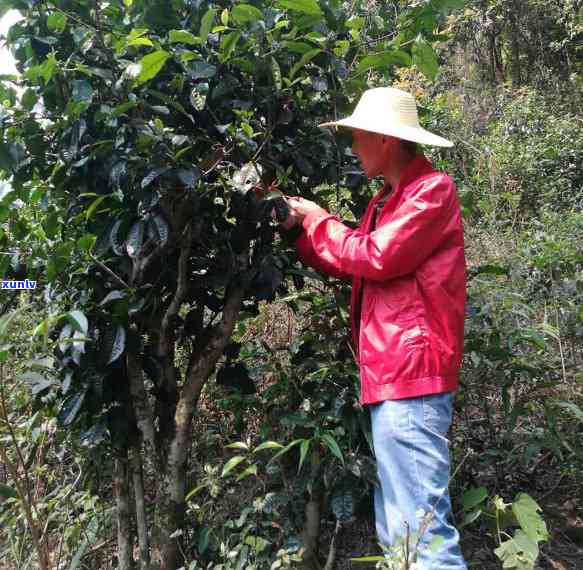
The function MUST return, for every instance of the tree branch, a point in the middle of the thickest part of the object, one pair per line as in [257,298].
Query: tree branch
[144,417]
[164,342]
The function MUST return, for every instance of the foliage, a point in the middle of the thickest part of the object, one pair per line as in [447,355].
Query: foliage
[521,41]
[51,481]
[520,550]
[319,444]
[520,155]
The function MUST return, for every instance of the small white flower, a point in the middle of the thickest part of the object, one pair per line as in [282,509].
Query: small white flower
[133,70]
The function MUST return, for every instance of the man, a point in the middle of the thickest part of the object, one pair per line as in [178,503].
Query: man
[407,266]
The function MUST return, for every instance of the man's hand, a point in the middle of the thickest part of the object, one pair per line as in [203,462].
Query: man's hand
[300,207]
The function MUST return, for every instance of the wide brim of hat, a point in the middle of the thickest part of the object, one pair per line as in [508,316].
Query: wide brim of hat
[409,133]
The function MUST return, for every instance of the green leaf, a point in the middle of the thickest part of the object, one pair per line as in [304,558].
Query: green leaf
[57,22]
[257,543]
[135,239]
[333,446]
[115,343]
[473,497]
[114,238]
[242,13]
[124,107]
[206,24]
[490,269]
[183,37]
[65,338]
[203,539]
[70,408]
[470,518]
[79,321]
[37,381]
[305,446]
[533,337]
[93,435]
[29,99]
[228,44]
[273,195]
[268,445]
[152,175]
[251,470]
[355,22]
[518,553]
[44,70]
[135,34]
[134,38]
[201,70]
[276,71]
[384,60]
[6,320]
[171,103]
[526,511]
[86,242]
[141,42]
[573,408]
[194,491]
[158,229]
[446,6]
[305,6]
[94,206]
[6,158]
[238,445]
[231,464]
[113,296]
[7,492]
[297,47]
[303,60]
[343,505]
[151,65]
[285,449]
[425,58]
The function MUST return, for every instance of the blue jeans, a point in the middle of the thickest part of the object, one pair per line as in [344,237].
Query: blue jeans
[412,454]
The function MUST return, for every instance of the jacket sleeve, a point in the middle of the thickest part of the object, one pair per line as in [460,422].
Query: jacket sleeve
[395,248]
[307,256]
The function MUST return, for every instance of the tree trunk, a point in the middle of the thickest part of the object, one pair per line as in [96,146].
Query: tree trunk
[492,56]
[200,366]
[174,507]
[311,532]
[141,518]
[515,47]
[125,539]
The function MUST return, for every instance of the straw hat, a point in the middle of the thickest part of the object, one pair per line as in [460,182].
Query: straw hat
[389,111]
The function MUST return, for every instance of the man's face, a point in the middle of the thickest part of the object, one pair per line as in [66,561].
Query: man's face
[373,150]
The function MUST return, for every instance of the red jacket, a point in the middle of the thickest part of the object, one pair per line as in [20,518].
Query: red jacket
[408,283]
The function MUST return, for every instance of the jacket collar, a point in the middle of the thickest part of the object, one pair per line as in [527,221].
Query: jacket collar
[416,167]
